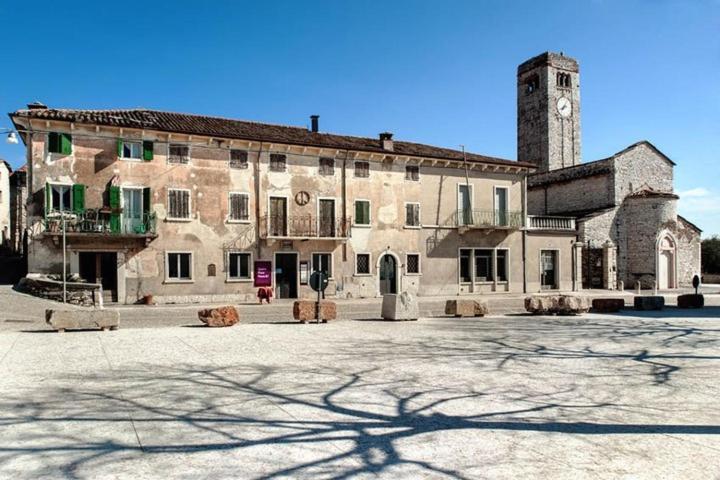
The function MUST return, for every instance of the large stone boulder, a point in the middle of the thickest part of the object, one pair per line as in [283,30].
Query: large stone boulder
[557,304]
[305,311]
[219,317]
[400,307]
[466,308]
[608,305]
[649,302]
[691,300]
[62,320]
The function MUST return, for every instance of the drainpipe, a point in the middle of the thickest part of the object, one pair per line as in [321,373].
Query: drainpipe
[257,203]
[524,231]
[343,193]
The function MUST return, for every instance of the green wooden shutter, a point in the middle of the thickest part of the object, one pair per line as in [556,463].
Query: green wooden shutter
[147,151]
[115,209]
[78,198]
[366,212]
[119,148]
[48,199]
[65,144]
[358,212]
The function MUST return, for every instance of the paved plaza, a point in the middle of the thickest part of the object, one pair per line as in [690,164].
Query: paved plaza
[509,396]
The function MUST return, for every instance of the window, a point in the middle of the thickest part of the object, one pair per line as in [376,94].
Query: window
[362,212]
[412,214]
[277,162]
[362,264]
[179,266]
[501,265]
[178,153]
[412,172]
[327,166]
[238,159]
[239,266]
[362,169]
[465,275]
[178,204]
[412,263]
[61,197]
[239,206]
[322,262]
[483,265]
[59,143]
[563,80]
[131,150]
[532,83]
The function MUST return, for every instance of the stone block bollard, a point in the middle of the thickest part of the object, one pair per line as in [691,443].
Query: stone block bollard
[466,308]
[62,320]
[649,303]
[691,300]
[557,304]
[305,311]
[219,317]
[400,307]
[608,305]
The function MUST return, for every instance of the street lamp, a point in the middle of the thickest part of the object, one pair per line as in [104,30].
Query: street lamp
[12,137]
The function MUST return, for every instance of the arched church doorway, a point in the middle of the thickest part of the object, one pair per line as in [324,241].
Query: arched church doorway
[666,263]
[388,274]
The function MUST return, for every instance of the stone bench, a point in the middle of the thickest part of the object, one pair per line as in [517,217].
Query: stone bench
[608,305]
[691,300]
[305,311]
[400,307]
[557,304]
[219,317]
[649,302]
[62,320]
[466,308]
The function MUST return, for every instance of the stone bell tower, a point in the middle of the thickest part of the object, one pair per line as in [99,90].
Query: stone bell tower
[548,111]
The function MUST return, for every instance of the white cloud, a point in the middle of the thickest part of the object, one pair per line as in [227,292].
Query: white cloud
[695,192]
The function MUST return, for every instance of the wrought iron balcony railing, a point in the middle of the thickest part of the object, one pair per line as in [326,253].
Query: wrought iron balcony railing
[542,222]
[305,226]
[100,221]
[500,219]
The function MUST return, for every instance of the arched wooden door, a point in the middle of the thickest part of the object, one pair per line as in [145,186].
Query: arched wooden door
[388,274]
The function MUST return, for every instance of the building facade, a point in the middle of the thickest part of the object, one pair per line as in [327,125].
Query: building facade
[624,205]
[5,172]
[193,208]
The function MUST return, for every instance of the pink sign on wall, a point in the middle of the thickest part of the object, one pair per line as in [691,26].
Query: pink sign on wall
[263,273]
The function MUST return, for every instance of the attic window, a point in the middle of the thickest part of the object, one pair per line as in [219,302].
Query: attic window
[563,80]
[532,83]
[238,159]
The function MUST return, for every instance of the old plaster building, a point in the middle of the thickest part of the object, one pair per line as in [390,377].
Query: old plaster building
[5,172]
[625,206]
[188,207]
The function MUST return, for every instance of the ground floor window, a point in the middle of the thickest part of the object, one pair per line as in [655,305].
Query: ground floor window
[412,263]
[239,266]
[322,262]
[501,260]
[465,275]
[179,265]
[362,264]
[483,265]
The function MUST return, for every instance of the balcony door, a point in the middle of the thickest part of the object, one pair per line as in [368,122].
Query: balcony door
[501,206]
[326,217]
[465,214]
[132,215]
[278,216]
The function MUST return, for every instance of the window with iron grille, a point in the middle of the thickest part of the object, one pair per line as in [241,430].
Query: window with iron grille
[327,166]
[277,162]
[238,159]
[178,203]
[362,264]
[179,266]
[412,263]
[412,172]
[239,206]
[362,169]
[412,214]
[178,153]
[322,262]
[239,266]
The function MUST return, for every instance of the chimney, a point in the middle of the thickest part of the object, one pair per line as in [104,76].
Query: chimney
[386,141]
[315,120]
[36,106]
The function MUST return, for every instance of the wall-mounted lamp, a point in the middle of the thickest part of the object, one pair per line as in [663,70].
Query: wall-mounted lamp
[12,138]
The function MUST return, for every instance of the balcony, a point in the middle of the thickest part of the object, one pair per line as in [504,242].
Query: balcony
[468,219]
[305,227]
[99,223]
[558,224]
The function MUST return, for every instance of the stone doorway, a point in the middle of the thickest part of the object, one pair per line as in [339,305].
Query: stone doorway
[666,264]
[102,268]
[593,268]
[388,274]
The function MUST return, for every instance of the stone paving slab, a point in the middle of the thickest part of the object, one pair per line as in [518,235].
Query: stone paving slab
[598,396]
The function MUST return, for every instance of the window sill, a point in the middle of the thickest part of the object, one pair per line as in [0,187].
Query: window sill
[413,274]
[361,225]
[413,227]
[242,222]
[178,280]
[363,275]
[180,220]
[238,280]
[125,159]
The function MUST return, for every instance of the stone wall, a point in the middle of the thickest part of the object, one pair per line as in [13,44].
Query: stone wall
[580,194]
[689,241]
[641,166]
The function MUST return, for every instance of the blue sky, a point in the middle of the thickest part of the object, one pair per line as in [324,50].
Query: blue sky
[439,72]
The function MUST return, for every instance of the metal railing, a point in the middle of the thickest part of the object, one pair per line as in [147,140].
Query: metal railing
[99,221]
[304,226]
[487,219]
[542,222]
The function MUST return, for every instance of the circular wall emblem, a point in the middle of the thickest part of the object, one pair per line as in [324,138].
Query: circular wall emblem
[302,198]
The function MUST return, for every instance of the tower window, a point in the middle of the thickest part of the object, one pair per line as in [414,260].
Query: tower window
[563,80]
[532,83]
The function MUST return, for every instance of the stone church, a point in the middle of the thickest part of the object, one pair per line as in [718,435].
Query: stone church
[624,205]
